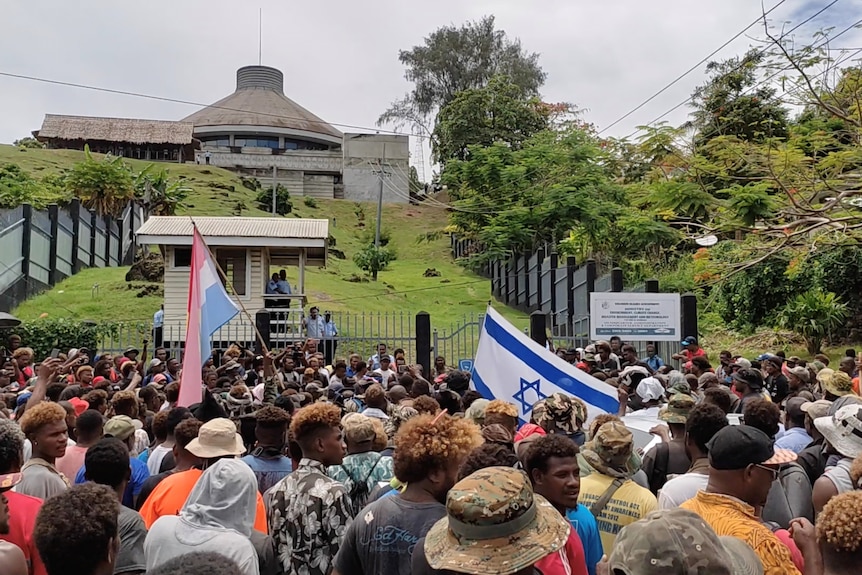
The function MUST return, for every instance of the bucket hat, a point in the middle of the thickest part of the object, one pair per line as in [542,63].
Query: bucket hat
[843,430]
[217,438]
[678,541]
[837,383]
[610,450]
[494,525]
[678,409]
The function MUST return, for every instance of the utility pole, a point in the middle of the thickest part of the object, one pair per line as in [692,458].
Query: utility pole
[381,173]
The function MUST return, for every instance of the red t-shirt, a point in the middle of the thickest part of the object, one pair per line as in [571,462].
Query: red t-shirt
[22,517]
[570,560]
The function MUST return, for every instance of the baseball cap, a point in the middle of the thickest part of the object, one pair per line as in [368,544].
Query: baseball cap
[155,362]
[793,407]
[494,524]
[815,409]
[750,377]
[741,362]
[738,446]
[678,409]
[79,405]
[800,372]
[358,428]
[650,389]
[689,340]
[120,426]
[678,541]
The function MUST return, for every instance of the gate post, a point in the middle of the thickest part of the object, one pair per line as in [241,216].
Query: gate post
[617,280]
[261,322]
[688,307]
[651,286]
[423,342]
[538,327]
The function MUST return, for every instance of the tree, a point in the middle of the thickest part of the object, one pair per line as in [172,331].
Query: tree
[814,315]
[373,259]
[160,195]
[105,186]
[452,60]
[498,112]
[28,142]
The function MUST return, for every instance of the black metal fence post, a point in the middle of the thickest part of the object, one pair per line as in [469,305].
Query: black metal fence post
[53,217]
[688,305]
[555,261]
[26,234]
[93,231]
[75,212]
[651,286]
[571,265]
[617,280]
[540,261]
[423,342]
[538,327]
[261,322]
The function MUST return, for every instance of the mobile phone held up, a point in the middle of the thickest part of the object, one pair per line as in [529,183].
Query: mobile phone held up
[55,353]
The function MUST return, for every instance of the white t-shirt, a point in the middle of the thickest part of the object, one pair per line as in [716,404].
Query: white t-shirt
[154,461]
[386,374]
[680,489]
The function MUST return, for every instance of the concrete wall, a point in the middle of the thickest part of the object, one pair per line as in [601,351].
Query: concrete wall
[262,158]
[362,152]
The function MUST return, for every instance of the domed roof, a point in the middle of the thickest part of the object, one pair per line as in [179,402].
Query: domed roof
[259,100]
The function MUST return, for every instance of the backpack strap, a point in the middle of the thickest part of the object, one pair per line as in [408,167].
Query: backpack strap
[599,506]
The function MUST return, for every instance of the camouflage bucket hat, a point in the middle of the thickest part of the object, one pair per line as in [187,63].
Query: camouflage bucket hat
[561,411]
[677,410]
[610,450]
[494,524]
[838,384]
[679,541]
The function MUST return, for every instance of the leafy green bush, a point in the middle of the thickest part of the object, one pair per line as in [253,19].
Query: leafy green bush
[372,259]
[385,236]
[309,201]
[16,186]
[43,335]
[283,205]
[814,315]
[105,186]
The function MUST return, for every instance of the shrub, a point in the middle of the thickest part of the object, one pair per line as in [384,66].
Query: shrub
[283,205]
[104,186]
[814,315]
[373,259]
[385,236]
[310,201]
[43,335]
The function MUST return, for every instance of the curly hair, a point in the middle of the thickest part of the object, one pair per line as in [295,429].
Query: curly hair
[22,351]
[764,415]
[381,439]
[107,462]
[96,398]
[375,397]
[186,430]
[270,417]
[74,529]
[487,455]
[546,447]
[41,414]
[426,404]
[704,421]
[856,472]
[160,425]
[198,563]
[314,418]
[425,444]
[469,397]
[11,445]
[839,533]
[719,397]
[501,407]
[125,403]
[599,421]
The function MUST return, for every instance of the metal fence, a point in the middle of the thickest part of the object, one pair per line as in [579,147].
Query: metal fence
[43,247]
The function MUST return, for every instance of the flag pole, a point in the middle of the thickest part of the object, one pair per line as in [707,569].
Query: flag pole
[229,285]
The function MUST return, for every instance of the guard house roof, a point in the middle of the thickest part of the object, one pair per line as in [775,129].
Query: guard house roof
[278,234]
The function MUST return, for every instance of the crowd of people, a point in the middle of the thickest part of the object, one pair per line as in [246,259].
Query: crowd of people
[295,465]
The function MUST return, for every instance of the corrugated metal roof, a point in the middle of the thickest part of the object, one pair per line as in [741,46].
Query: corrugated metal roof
[294,228]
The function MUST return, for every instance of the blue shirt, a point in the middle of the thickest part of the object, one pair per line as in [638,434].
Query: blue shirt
[585,524]
[795,439]
[159,318]
[140,473]
[655,362]
[283,286]
[268,471]
[329,329]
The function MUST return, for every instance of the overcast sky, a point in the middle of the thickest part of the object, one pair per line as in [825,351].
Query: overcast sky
[340,57]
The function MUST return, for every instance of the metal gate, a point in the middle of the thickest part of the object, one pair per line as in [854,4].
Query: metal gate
[459,341]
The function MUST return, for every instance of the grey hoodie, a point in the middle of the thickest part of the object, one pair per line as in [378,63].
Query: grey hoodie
[218,516]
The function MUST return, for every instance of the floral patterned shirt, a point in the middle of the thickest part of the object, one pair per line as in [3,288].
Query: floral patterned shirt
[308,517]
[370,467]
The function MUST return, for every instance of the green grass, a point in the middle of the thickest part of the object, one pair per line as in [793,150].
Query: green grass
[401,287]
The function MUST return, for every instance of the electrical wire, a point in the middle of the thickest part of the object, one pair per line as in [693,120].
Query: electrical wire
[689,71]
[197,104]
[738,67]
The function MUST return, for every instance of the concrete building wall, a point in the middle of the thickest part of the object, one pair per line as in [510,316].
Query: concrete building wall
[362,152]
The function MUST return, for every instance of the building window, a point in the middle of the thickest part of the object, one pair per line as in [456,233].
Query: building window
[234,265]
[259,142]
[182,257]
[216,142]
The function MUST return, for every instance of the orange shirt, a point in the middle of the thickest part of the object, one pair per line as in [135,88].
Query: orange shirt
[729,516]
[171,493]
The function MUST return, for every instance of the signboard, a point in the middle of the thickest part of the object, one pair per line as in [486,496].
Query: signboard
[635,316]
[465,365]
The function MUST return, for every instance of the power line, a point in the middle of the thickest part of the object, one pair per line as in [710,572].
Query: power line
[689,71]
[760,52]
[197,104]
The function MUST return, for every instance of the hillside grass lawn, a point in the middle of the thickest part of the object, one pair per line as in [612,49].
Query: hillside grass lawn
[456,293]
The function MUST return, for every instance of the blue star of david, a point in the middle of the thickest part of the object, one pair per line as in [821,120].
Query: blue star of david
[526,405]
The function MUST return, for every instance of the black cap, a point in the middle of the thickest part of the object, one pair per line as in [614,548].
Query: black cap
[738,446]
[750,377]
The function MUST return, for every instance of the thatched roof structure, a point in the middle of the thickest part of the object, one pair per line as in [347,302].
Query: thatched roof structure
[89,128]
[259,101]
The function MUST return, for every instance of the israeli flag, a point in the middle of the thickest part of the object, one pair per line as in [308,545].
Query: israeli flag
[512,367]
